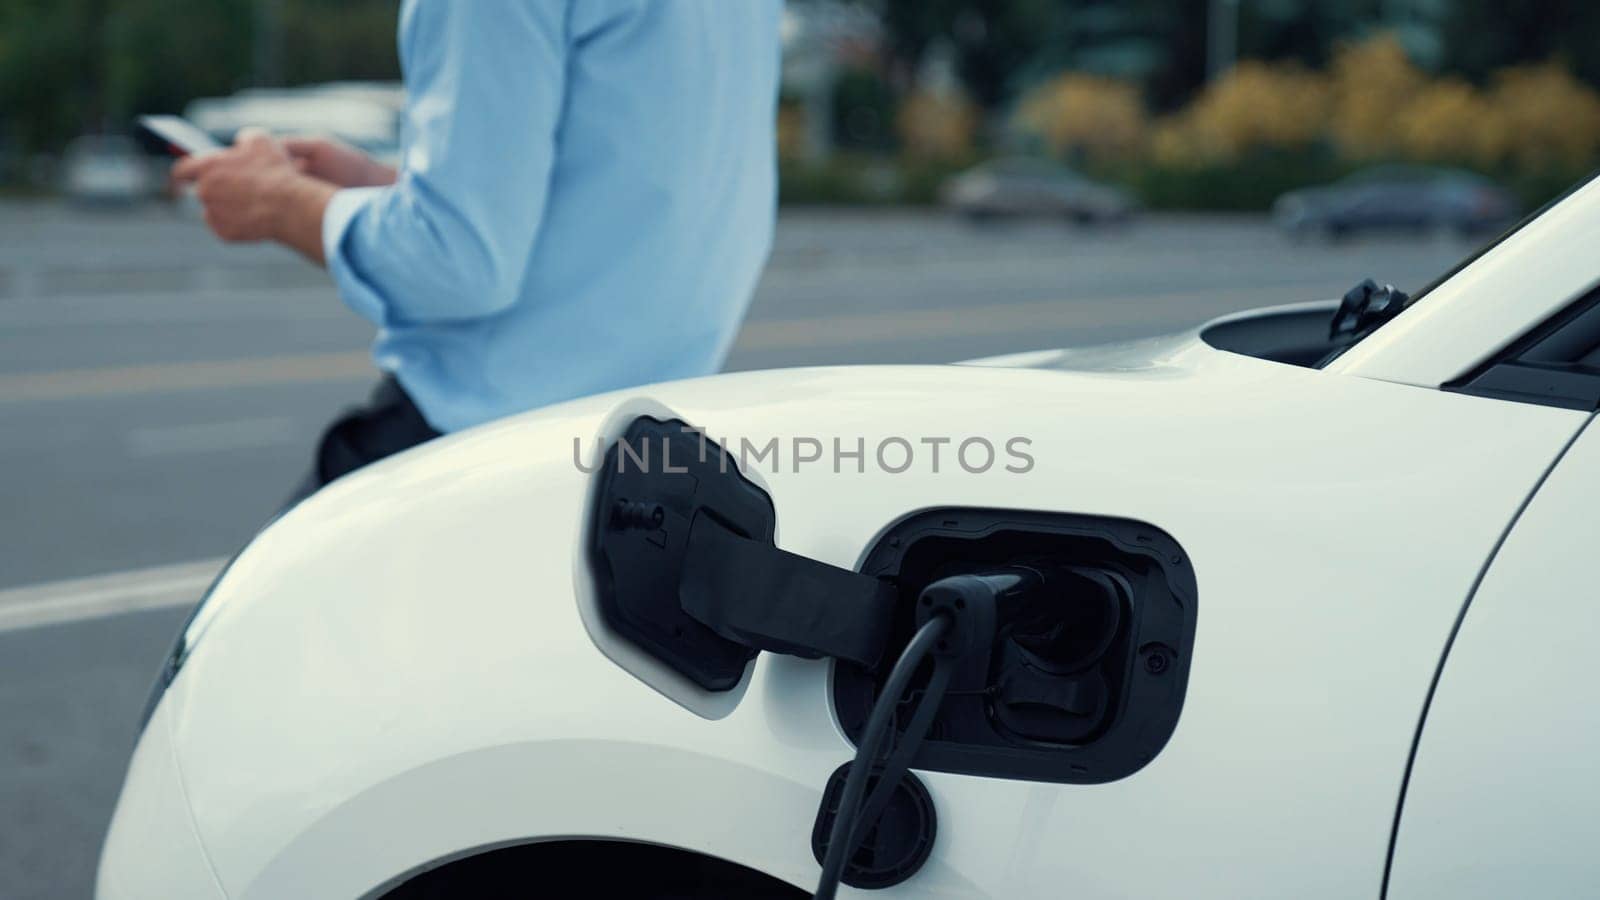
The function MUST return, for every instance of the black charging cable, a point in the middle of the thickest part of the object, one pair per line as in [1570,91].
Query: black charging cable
[954,616]
[845,836]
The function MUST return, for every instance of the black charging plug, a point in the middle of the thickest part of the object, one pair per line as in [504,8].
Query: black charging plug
[972,602]
[955,616]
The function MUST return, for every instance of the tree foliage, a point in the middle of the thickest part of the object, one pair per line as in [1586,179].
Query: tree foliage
[998,41]
[73,66]
[992,39]
[1481,36]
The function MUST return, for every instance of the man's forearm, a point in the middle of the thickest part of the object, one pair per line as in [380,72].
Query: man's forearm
[301,202]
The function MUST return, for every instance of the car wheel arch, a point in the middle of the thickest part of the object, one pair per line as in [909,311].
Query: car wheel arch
[644,869]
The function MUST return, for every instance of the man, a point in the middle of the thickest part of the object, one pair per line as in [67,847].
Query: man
[584,202]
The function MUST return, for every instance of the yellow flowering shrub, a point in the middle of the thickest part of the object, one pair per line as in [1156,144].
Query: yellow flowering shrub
[1252,106]
[791,129]
[937,125]
[1449,120]
[1374,83]
[1088,115]
[1371,103]
[1546,116]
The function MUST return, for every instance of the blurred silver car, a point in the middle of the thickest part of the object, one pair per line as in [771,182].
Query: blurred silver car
[1024,186]
[104,168]
[365,115]
[1397,197]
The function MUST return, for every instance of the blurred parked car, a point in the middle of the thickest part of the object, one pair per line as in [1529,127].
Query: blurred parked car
[1034,187]
[365,115]
[104,168]
[1414,198]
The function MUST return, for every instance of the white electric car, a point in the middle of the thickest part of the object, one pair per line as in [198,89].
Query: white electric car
[1267,609]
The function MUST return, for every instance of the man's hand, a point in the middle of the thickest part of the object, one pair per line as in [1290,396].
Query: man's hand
[338,163]
[253,191]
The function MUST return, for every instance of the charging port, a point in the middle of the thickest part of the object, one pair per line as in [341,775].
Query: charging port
[1085,677]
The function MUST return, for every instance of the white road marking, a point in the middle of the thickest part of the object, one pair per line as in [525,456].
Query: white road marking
[76,599]
[296,368]
[211,437]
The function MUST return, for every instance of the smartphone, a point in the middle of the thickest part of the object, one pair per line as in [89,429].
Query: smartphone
[176,135]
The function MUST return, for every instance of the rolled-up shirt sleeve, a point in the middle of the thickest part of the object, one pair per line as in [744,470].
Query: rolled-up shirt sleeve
[450,239]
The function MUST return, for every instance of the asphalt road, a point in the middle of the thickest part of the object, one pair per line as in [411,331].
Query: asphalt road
[159,394]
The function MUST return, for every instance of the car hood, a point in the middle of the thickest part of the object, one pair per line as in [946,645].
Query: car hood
[1120,356]
[1146,353]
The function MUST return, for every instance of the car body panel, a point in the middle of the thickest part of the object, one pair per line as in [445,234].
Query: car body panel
[106,169]
[399,671]
[1502,797]
[152,849]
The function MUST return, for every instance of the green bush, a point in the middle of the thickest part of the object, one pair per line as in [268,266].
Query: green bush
[1537,189]
[1249,184]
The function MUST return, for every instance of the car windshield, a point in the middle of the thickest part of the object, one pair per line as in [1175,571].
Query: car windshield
[1419,295]
[1490,245]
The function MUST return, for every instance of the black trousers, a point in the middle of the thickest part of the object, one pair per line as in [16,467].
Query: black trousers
[386,424]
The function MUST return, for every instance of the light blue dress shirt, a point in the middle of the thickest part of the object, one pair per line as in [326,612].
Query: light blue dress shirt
[585,201]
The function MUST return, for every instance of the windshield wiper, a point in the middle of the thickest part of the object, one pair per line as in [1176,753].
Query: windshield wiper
[1363,310]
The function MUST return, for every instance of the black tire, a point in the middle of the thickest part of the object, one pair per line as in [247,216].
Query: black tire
[592,868]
